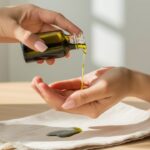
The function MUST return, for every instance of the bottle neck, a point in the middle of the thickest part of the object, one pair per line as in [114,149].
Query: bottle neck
[76,42]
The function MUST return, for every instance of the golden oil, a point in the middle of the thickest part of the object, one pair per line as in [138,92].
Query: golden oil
[83,66]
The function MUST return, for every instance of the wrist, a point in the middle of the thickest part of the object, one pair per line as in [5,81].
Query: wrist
[140,85]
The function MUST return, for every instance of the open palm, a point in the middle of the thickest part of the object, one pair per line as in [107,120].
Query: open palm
[56,94]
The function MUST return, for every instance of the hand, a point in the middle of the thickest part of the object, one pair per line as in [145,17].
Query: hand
[19,23]
[104,88]
[56,98]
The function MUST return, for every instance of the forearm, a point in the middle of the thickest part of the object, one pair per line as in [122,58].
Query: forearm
[141,85]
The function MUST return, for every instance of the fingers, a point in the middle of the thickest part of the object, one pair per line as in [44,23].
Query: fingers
[68,55]
[51,17]
[48,28]
[85,96]
[40,61]
[29,39]
[50,61]
[36,80]
[54,99]
[72,84]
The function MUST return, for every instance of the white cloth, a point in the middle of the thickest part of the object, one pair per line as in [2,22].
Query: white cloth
[118,125]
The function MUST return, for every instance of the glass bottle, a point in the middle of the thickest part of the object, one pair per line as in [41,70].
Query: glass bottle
[59,44]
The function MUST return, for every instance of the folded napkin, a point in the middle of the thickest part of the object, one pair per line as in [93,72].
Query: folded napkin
[120,124]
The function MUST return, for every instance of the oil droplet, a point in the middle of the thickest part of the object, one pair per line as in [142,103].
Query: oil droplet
[66,132]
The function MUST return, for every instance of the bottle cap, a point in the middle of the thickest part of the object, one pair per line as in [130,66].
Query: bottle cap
[77,39]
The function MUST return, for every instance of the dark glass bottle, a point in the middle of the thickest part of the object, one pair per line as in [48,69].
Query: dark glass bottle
[59,44]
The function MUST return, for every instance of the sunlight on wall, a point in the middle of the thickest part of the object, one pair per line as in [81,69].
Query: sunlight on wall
[111,11]
[108,46]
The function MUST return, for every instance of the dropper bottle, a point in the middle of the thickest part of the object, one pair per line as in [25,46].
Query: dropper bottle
[58,43]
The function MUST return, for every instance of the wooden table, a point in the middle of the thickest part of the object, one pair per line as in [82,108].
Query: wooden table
[19,100]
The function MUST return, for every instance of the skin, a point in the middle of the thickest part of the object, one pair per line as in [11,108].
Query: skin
[104,88]
[20,23]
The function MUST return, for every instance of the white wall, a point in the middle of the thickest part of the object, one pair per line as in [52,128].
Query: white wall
[121,33]
[137,34]
[117,33]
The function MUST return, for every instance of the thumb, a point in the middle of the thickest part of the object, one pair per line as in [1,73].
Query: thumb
[83,97]
[29,39]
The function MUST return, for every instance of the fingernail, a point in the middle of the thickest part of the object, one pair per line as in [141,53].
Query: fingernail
[68,105]
[40,46]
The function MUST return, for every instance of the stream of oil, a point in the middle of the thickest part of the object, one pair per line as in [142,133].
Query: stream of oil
[83,68]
